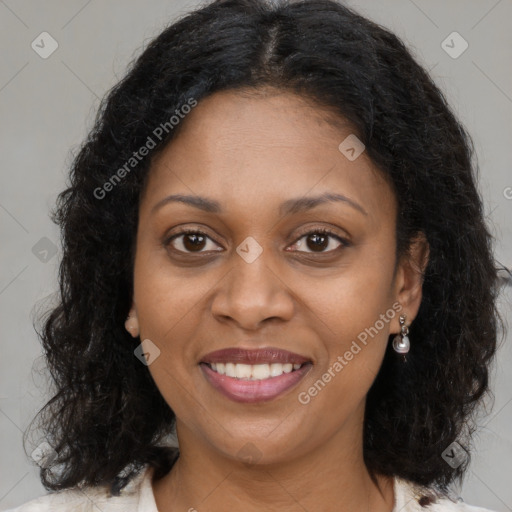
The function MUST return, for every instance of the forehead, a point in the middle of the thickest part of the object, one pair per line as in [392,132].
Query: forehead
[262,148]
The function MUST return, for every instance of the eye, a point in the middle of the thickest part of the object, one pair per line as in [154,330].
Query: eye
[192,241]
[319,240]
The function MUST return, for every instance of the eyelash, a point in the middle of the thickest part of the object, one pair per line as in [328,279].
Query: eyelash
[323,231]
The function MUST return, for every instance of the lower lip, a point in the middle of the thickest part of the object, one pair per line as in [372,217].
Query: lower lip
[242,390]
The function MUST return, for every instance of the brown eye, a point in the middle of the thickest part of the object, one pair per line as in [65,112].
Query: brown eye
[319,240]
[189,241]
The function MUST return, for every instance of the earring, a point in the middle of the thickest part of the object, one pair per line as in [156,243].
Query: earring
[401,343]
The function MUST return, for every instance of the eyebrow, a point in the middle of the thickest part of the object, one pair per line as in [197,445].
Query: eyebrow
[290,206]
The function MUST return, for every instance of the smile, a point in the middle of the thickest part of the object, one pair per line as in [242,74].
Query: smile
[253,372]
[254,375]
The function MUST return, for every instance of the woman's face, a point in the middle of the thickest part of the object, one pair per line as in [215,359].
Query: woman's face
[261,274]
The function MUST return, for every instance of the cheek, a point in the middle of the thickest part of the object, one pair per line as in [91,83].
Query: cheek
[353,299]
[165,306]
[163,296]
[354,347]
[355,312]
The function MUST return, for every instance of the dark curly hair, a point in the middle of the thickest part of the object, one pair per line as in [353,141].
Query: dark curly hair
[107,419]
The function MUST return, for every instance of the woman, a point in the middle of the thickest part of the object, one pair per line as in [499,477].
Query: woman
[273,242]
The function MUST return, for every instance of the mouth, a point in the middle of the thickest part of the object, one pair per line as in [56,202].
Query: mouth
[254,375]
[253,371]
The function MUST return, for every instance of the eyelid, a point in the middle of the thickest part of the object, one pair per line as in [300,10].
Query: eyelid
[328,232]
[325,230]
[187,231]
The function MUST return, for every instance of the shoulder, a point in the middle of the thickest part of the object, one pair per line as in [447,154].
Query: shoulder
[410,497]
[136,496]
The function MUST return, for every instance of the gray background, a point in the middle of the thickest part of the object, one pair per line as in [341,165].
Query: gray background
[47,107]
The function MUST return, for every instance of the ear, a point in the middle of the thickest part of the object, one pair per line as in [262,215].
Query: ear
[409,278]
[132,322]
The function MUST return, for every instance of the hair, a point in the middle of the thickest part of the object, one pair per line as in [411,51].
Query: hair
[107,419]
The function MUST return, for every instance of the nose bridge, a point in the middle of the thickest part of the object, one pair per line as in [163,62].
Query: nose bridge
[252,278]
[252,291]
[252,268]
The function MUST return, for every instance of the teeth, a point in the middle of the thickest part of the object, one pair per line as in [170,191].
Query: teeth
[276,369]
[243,371]
[255,371]
[258,371]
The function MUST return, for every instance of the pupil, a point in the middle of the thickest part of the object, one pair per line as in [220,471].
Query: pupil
[196,244]
[316,237]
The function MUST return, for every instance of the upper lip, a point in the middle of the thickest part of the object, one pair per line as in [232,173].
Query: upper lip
[267,355]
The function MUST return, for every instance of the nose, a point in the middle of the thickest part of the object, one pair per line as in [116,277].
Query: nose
[252,293]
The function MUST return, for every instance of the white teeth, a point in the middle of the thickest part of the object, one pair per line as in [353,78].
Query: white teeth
[242,371]
[255,371]
[287,368]
[230,370]
[276,369]
[260,371]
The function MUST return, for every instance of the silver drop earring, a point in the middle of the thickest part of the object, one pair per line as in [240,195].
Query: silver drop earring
[401,343]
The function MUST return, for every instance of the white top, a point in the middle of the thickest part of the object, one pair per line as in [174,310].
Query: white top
[137,496]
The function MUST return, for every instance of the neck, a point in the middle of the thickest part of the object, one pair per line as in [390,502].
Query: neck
[332,476]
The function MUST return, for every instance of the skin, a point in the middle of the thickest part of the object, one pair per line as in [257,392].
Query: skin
[251,152]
